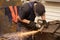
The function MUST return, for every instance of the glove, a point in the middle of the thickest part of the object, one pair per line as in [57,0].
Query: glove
[45,23]
[34,25]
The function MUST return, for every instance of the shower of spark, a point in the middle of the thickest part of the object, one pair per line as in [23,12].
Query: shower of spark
[24,34]
[19,35]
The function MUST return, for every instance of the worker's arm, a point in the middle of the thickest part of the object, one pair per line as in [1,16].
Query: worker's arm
[43,17]
[23,20]
[29,23]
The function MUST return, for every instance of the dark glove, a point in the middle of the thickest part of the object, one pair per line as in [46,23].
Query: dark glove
[34,25]
[45,23]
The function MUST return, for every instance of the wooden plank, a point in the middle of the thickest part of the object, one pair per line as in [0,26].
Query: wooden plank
[51,28]
[58,31]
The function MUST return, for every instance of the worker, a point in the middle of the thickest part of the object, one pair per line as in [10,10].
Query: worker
[27,16]
[29,13]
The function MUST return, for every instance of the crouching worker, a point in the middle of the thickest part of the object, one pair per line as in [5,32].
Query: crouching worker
[27,16]
[30,11]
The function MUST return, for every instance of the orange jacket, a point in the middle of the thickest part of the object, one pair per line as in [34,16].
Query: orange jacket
[14,13]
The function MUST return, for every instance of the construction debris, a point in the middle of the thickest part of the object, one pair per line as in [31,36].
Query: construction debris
[21,35]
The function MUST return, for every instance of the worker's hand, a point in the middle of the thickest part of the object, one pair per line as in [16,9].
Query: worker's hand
[45,23]
[34,26]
